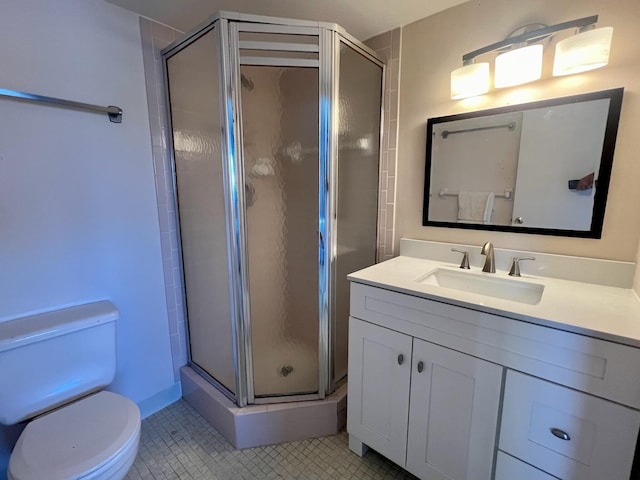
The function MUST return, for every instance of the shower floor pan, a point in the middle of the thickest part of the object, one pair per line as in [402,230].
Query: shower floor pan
[258,425]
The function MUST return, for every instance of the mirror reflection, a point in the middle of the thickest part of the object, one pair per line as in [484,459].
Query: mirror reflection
[542,167]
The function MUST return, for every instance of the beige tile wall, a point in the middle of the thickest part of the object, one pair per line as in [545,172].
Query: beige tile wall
[155,37]
[388,46]
[636,283]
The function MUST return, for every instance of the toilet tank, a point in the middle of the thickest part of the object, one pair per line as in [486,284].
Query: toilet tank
[48,359]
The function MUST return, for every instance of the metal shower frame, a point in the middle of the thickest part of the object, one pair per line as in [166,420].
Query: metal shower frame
[228,25]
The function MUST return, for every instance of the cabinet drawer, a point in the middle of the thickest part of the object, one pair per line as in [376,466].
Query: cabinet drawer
[599,436]
[509,468]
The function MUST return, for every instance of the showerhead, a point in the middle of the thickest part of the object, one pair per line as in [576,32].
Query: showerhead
[246,82]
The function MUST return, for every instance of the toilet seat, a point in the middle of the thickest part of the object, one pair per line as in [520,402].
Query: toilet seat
[93,438]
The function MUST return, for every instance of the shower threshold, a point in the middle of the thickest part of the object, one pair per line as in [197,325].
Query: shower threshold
[258,425]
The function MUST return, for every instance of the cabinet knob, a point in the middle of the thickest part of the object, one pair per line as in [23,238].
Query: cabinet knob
[420,367]
[400,359]
[561,434]
[518,220]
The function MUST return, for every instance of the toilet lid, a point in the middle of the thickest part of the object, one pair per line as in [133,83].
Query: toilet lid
[72,441]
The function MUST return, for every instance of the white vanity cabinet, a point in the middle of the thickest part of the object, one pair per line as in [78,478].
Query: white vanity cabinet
[430,409]
[453,393]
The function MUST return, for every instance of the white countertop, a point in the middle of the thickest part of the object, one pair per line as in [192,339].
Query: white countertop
[608,313]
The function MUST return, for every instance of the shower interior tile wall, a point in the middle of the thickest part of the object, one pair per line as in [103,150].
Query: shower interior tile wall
[388,45]
[155,37]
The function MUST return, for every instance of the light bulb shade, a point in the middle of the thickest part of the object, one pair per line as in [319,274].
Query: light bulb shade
[582,52]
[518,66]
[470,80]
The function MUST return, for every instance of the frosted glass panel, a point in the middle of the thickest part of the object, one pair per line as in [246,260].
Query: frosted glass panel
[280,134]
[360,96]
[195,115]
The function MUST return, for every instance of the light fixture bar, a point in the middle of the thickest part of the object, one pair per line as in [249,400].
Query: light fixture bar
[580,22]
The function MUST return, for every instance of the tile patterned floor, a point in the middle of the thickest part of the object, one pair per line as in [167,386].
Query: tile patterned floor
[177,443]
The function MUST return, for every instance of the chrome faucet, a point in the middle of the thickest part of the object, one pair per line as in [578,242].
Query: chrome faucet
[490,262]
[465,258]
[514,271]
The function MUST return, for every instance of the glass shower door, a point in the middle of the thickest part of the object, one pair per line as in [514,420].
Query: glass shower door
[280,150]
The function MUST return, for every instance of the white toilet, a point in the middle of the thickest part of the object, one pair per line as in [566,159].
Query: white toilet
[51,366]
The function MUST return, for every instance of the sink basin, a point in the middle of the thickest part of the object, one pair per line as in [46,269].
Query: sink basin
[485,284]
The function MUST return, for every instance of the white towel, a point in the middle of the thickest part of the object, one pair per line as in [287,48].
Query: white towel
[475,206]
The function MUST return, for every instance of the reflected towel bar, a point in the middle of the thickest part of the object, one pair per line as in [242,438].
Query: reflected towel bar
[509,126]
[508,193]
[114,113]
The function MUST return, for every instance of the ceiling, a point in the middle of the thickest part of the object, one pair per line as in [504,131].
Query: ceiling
[361,18]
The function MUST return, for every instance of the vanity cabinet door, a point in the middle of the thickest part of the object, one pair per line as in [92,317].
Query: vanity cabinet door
[453,419]
[378,399]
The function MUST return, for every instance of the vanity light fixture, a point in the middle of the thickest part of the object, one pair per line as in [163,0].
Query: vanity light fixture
[520,60]
[470,80]
[587,50]
[518,66]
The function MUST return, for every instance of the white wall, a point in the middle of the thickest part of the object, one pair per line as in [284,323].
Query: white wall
[78,210]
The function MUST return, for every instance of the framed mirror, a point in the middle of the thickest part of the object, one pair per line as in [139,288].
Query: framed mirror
[541,167]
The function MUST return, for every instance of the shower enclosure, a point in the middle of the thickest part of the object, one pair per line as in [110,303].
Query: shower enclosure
[276,145]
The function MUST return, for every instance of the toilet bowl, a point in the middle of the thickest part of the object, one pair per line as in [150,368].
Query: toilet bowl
[55,363]
[94,438]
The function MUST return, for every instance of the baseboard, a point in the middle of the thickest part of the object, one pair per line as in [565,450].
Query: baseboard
[160,400]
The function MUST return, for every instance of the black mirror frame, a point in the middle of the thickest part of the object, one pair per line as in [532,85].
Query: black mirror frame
[604,176]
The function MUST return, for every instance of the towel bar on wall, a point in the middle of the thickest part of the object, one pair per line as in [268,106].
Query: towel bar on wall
[508,193]
[114,113]
[509,126]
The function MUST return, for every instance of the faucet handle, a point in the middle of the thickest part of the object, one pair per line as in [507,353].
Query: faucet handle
[465,258]
[514,271]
